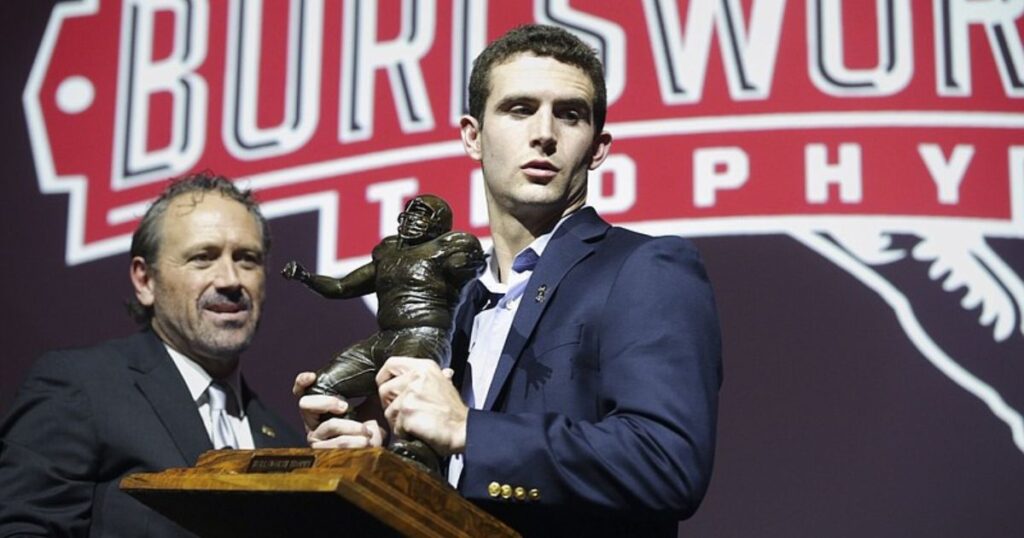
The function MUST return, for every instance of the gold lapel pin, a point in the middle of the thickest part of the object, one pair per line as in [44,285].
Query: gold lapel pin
[268,431]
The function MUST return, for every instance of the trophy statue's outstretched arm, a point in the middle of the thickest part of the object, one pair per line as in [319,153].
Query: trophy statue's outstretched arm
[355,284]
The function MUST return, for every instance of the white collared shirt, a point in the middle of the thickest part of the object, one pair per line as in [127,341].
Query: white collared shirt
[197,380]
[491,328]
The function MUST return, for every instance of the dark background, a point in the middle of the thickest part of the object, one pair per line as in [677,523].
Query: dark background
[832,422]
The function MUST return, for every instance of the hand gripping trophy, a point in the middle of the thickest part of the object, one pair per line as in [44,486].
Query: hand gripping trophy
[418,276]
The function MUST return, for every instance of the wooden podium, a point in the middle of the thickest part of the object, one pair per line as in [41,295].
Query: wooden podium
[308,493]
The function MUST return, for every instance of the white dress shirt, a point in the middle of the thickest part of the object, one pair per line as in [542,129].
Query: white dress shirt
[197,381]
[491,327]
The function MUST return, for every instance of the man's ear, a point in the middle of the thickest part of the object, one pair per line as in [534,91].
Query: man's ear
[141,275]
[599,151]
[469,128]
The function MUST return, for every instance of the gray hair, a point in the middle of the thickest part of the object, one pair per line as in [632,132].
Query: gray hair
[146,239]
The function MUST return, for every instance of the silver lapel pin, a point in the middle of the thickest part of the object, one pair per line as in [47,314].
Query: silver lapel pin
[541,291]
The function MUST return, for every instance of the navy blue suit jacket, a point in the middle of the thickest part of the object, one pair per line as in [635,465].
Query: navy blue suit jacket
[605,397]
[85,418]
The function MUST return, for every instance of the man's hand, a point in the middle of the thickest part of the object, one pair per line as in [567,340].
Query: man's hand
[293,270]
[420,401]
[335,432]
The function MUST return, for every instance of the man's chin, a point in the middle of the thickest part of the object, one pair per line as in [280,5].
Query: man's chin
[227,343]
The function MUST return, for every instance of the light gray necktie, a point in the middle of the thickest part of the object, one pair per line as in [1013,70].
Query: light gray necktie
[220,429]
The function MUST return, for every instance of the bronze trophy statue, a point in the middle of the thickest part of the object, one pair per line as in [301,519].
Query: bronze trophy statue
[417,276]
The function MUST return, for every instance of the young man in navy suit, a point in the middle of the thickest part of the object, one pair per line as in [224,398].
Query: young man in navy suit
[85,418]
[587,358]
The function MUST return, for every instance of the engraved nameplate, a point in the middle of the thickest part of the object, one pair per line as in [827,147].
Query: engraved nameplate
[279,464]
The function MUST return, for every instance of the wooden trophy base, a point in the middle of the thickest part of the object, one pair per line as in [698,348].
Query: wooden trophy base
[306,492]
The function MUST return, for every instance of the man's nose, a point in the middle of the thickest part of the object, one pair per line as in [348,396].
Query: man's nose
[544,135]
[226,276]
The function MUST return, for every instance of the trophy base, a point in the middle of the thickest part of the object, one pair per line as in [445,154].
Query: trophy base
[310,492]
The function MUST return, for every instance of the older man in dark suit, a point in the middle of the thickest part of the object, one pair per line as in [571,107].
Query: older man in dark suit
[85,418]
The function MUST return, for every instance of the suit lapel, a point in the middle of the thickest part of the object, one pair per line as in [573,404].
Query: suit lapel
[572,242]
[474,296]
[162,386]
[262,424]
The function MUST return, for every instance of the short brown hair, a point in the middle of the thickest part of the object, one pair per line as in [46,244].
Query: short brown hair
[546,42]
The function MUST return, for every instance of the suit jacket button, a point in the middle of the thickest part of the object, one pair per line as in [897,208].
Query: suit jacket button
[493,489]
[519,493]
[534,494]
[506,491]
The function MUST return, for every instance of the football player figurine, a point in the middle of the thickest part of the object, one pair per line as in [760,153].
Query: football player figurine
[418,276]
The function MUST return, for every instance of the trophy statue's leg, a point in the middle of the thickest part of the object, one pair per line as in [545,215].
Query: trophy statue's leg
[429,344]
[424,342]
[420,454]
[351,374]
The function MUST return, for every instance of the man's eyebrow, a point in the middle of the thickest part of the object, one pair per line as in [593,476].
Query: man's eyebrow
[574,102]
[515,98]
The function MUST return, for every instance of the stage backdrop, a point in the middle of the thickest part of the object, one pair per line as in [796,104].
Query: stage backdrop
[853,173]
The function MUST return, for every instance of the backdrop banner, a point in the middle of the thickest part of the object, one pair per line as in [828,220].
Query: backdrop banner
[853,173]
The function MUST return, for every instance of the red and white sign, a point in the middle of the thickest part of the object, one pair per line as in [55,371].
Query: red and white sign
[838,123]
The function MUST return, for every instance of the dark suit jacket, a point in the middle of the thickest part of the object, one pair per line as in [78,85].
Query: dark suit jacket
[605,397]
[85,418]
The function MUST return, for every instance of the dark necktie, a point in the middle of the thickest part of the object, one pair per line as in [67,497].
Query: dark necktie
[525,261]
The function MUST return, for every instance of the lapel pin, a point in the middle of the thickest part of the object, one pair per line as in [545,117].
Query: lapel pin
[268,431]
[541,291]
